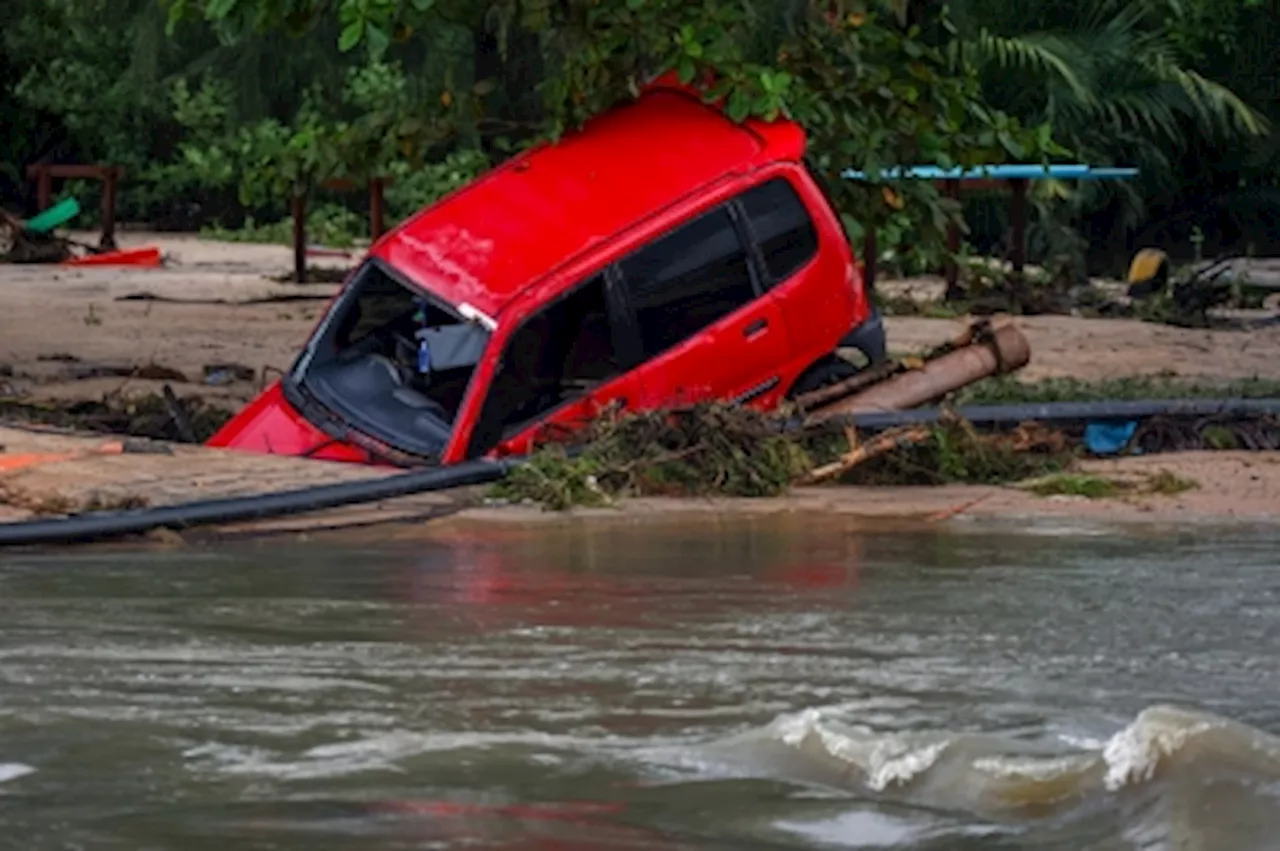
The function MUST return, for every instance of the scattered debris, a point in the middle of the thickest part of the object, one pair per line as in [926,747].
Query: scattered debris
[1156,292]
[957,453]
[1092,486]
[19,461]
[219,374]
[859,452]
[725,451]
[61,505]
[149,416]
[148,257]
[979,353]
[278,298]
[149,372]
[707,449]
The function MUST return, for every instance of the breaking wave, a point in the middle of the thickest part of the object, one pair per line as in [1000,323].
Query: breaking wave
[14,770]
[993,774]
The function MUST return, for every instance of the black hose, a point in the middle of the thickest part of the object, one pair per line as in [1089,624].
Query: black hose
[101,525]
[1063,412]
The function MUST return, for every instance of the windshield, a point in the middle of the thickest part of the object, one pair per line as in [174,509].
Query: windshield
[392,361]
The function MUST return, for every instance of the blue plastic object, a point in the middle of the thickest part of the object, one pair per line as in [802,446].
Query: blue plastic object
[1011,171]
[424,357]
[1108,438]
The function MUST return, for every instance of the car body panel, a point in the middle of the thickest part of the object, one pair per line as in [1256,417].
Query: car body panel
[271,426]
[488,242]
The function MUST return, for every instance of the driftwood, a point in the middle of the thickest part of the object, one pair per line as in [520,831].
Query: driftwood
[860,452]
[22,246]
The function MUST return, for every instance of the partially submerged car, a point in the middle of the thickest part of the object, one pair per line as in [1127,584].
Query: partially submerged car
[663,255]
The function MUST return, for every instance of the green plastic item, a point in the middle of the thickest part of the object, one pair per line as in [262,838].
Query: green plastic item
[59,214]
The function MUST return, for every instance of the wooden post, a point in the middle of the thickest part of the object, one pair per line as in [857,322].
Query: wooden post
[44,187]
[953,292]
[869,252]
[1018,220]
[375,209]
[108,239]
[298,205]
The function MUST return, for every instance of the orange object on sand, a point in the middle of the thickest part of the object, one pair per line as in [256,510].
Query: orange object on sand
[147,257]
[34,459]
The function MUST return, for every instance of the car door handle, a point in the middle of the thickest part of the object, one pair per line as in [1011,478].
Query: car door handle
[755,328]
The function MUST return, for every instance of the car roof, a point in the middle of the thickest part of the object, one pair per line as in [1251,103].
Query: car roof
[487,242]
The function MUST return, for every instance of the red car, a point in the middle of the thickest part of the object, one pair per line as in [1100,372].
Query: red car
[660,256]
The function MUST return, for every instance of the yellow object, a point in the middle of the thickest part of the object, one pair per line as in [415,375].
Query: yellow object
[1148,264]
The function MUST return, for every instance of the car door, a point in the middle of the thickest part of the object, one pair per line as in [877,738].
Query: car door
[810,285]
[706,328]
[567,362]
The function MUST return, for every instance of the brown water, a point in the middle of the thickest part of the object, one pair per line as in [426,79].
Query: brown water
[753,685]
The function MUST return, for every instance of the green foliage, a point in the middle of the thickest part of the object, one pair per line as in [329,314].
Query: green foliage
[702,451]
[1090,486]
[329,224]
[412,188]
[956,453]
[1009,390]
[1114,79]
[1075,484]
[236,104]
[871,90]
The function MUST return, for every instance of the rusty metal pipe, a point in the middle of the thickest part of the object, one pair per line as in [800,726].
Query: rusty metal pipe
[1004,351]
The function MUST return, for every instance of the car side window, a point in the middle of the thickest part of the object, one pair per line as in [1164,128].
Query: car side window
[686,280]
[781,226]
[557,355]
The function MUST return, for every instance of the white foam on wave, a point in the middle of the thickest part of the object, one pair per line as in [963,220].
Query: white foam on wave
[992,767]
[885,759]
[1163,733]
[14,770]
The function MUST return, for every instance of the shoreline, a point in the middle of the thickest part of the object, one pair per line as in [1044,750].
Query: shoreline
[1229,487]
[218,303]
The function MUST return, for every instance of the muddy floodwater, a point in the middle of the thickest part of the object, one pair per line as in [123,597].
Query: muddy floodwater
[747,685]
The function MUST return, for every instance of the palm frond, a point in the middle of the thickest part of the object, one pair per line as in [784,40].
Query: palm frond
[1216,101]
[1043,53]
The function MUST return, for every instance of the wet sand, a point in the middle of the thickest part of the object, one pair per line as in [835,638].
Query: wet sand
[217,303]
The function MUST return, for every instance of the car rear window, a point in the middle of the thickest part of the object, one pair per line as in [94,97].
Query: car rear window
[687,280]
[782,228]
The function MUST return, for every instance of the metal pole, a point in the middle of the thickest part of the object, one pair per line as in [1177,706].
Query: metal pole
[44,187]
[376,227]
[953,246]
[1018,218]
[869,252]
[108,208]
[299,211]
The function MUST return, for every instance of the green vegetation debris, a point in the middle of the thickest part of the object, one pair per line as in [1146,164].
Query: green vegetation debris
[1091,486]
[1076,484]
[957,453]
[1009,390]
[699,451]
[714,450]
[1167,483]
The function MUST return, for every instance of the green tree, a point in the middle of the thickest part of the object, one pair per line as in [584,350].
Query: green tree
[862,78]
[1120,82]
